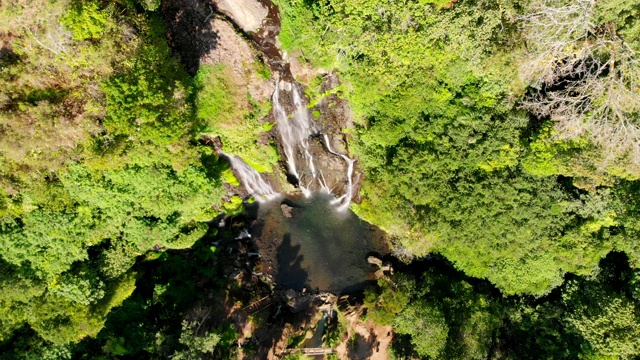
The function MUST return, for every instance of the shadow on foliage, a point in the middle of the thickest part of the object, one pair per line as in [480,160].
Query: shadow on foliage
[361,348]
[189,31]
[172,286]
[8,57]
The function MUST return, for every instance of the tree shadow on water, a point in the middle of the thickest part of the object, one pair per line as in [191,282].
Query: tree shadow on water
[290,275]
[189,31]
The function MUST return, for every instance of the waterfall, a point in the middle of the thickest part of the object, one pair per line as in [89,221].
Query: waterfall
[250,178]
[295,129]
[346,197]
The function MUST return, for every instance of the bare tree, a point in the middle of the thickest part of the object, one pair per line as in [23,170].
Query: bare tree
[587,76]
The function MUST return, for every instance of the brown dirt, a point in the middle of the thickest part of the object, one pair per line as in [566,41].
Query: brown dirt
[371,340]
[301,70]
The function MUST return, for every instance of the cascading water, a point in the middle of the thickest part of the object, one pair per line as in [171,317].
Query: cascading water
[295,129]
[312,241]
[346,197]
[309,166]
[250,178]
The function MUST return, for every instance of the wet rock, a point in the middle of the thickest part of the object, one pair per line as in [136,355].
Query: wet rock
[290,294]
[287,210]
[378,274]
[384,269]
[300,303]
[247,14]
[374,261]
[387,267]
[214,141]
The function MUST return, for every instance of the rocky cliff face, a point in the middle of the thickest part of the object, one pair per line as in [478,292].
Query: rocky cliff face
[243,36]
[238,54]
[247,14]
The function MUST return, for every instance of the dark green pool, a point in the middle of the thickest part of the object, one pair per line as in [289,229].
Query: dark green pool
[318,247]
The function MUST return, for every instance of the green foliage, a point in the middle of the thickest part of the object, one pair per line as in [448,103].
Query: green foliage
[577,158]
[69,311]
[214,98]
[158,201]
[624,15]
[47,242]
[151,5]
[51,105]
[148,101]
[118,258]
[81,287]
[195,345]
[394,52]
[448,158]
[336,331]
[228,177]
[588,317]
[263,70]
[607,320]
[164,317]
[427,327]
[388,299]
[445,197]
[98,166]
[234,206]
[105,170]
[232,115]
[85,20]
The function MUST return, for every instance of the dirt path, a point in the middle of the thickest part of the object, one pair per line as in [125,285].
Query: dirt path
[371,341]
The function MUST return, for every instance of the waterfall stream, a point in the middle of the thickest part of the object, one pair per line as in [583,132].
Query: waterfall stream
[308,238]
[295,129]
[310,167]
[250,178]
[346,197]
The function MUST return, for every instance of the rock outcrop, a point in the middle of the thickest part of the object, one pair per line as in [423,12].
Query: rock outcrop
[374,261]
[247,14]
[237,54]
[286,210]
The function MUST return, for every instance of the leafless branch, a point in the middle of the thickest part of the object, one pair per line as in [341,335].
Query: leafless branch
[588,78]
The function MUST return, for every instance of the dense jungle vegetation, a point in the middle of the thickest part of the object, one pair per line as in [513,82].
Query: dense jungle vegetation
[501,135]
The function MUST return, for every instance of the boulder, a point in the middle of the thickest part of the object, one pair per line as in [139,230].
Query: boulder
[374,261]
[286,210]
[387,267]
[378,274]
[247,14]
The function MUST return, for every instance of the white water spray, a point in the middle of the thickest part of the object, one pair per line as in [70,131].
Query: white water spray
[250,178]
[346,197]
[295,129]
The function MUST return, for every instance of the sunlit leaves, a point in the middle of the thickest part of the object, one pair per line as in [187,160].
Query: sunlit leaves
[85,20]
